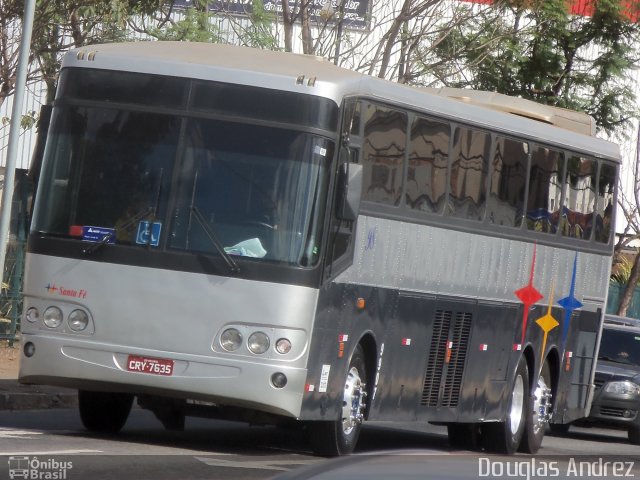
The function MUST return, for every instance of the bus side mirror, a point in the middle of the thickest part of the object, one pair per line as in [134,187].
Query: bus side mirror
[350,184]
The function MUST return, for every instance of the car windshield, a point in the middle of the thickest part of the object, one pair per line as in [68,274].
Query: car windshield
[129,178]
[620,346]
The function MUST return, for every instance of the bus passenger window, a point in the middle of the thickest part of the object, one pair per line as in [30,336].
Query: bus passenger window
[545,189]
[468,180]
[385,137]
[505,204]
[427,170]
[579,198]
[604,202]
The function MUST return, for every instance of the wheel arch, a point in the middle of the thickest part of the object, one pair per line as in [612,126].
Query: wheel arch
[553,359]
[370,348]
[530,358]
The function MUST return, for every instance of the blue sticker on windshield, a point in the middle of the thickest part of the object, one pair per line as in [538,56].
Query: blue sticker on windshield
[98,234]
[148,234]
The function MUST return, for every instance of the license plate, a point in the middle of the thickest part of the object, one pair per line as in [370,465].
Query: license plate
[155,366]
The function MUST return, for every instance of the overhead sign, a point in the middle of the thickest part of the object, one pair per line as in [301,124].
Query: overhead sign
[355,12]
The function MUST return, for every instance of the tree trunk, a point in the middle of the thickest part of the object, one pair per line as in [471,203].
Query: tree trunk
[627,295]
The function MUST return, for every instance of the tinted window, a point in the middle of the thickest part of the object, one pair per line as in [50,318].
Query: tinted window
[106,168]
[605,201]
[505,205]
[468,180]
[385,137]
[620,346]
[123,87]
[427,169]
[265,104]
[545,190]
[579,197]
[261,190]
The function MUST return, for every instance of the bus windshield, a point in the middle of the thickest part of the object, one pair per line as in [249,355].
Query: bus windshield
[129,178]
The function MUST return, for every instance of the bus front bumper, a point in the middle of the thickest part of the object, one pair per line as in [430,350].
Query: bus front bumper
[242,383]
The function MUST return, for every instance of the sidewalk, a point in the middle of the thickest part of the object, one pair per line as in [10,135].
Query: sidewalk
[15,396]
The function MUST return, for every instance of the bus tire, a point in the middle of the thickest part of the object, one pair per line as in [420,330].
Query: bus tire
[540,404]
[339,437]
[505,437]
[104,412]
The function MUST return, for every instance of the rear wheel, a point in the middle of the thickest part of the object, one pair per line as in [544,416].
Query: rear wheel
[104,412]
[540,406]
[505,437]
[339,437]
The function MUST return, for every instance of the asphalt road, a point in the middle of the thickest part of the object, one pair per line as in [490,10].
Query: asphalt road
[56,446]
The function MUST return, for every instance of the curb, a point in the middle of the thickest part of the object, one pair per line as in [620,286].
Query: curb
[26,397]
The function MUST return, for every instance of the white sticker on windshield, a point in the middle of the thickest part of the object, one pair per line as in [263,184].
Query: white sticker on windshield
[320,150]
[324,378]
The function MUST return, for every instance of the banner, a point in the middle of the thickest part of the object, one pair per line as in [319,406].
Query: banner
[355,15]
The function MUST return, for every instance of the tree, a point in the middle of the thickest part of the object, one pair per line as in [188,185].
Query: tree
[538,50]
[58,26]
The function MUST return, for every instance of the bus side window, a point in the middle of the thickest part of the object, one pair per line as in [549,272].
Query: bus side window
[505,202]
[579,198]
[604,202]
[383,151]
[545,188]
[469,170]
[427,170]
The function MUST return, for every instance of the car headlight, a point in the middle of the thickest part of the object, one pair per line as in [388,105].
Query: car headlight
[624,387]
[78,320]
[231,339]
[52,317]
[258,342]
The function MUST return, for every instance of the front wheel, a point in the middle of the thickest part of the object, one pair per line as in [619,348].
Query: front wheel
[333,438]
[505,437]
[540,412]
[104,412]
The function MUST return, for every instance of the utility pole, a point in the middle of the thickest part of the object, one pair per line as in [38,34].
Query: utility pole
[14,130]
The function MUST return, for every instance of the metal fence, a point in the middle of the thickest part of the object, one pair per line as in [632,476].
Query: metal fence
[11,293]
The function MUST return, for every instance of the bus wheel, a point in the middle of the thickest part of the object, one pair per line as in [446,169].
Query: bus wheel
[104,412]
[504,437]
[540,412]
[339,437]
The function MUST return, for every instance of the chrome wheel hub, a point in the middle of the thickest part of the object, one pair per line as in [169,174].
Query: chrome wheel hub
[541,405]
[353,402]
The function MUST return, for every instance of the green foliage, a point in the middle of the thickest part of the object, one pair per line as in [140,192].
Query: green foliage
[194,26]
[27,121]
[622,272]
[539,51]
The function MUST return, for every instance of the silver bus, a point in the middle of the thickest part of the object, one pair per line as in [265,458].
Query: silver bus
[255,235]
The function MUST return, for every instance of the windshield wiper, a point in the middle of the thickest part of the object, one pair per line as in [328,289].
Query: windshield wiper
[195,212]
[231,263]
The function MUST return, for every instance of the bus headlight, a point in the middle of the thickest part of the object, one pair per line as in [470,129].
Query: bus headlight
[78,320]
[231,339]
[258,343]
[52,317]
[283,346]
[32,315]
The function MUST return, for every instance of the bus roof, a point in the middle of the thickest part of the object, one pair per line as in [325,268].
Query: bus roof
[316,76]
